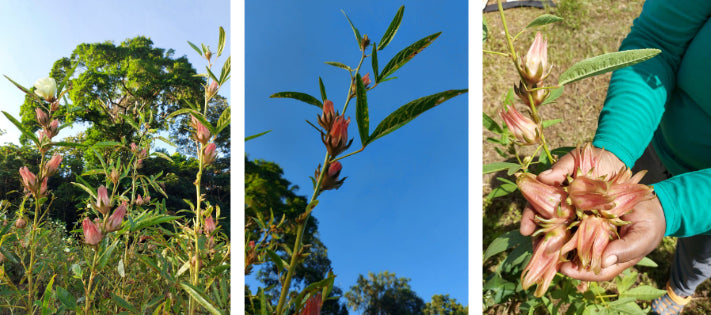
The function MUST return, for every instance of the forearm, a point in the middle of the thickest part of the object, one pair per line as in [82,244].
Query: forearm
[686,200]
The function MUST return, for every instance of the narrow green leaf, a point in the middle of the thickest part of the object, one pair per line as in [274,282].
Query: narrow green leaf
[225,72]
[625,280]
[182,111]
[280,263]
[257,135]
[543,20]
[502,190]
[223,121]
[410,111]
[195,47]
[162,156]
[550,122]
[263,301]
[22,128]
[221,42]
[105,144]
[392,29]
[69,73]
[202,120]
[47,300]
[212,75]
[497,166]
[362,117]
[66,298]
[645,293]
[647,262]
[355,30]
[605,63]
[123,303]
[374,63]
[555,94]
[338,65]
[504,242]
[323,90]
[485,34]
[625,306]
[402,57]
[300,97]
[204,48]
[22,88]
[513,169]
[200,298]
[104,258]
[491,125]
[68,144]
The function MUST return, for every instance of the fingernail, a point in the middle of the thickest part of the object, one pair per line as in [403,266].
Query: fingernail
[609,261]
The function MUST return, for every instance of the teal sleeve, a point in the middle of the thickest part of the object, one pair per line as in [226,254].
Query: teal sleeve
[637,94]
[686,199]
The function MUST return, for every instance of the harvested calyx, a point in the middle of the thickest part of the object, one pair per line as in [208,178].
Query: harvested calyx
[577,219]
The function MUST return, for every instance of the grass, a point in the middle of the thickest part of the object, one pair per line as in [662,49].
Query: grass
[590,28]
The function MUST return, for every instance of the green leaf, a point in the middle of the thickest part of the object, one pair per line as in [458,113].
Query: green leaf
[374,63]
[66,77]
[392,29]
[504,242]
[104,258]
[410,111]
[645,292]
[338,65]
[355,30]
[146,219]
[200,298]
[299,96]
[221,42]
[225,72]
[212,75]
[124,304]
[22,88]
[47,300]
[257,135]
[223,121]
[485,34]
[625,280]
[323,90]
[555,94]
[498,166]
[362,117]
[502,190]
[402,57]
[543,20]
[625,306]
[491,125]
[195,47]
[66,298]
[280,263]
[647,262]
[550,122]
[22,128]
[605,63]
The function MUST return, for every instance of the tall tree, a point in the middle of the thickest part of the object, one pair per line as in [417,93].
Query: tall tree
[384,294]
[266,190]
[444,305]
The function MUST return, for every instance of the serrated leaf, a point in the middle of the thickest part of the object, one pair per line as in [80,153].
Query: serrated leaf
[355,30]
[504,242]
[543,20]
[647,262]
[300,97]
[200,298]
[555,94]
[224,120]
[491,125]
[645,292]
[257,135]
[392,28]
[605,63]
[322,88]
[402,57]
[362,117]
[195,47]
[410,111]
[374,63]
[338,65]
[21,127]
[225,72]
[497,166]
[221,42]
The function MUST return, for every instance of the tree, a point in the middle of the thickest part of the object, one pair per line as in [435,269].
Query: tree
[443,305]
[266,190]
[384,294]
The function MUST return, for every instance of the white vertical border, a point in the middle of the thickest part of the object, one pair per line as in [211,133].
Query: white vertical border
[237,34]
[475,158]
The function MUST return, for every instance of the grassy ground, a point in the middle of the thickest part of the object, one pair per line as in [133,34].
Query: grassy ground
[590,28]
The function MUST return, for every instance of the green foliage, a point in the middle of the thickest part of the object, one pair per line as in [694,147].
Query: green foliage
[444,305]
[605,63]
[384,293]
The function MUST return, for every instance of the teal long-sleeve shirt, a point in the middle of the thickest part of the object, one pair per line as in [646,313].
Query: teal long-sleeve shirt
[667,100]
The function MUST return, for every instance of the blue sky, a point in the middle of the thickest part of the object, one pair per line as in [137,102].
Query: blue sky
[404,205]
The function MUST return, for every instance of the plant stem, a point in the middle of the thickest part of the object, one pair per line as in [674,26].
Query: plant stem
[87,299]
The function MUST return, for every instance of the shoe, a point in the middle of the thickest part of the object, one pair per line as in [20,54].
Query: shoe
[669,303]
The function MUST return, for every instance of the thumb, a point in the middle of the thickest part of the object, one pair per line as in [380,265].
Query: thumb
[632,246]
[560,170]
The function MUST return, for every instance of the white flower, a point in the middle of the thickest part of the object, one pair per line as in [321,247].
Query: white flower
[46,88]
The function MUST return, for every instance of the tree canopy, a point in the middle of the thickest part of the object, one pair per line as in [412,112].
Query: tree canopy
[384,294]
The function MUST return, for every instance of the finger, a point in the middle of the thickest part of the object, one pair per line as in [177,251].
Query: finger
[572,270]
[638,239]
[560,170]
[528,225]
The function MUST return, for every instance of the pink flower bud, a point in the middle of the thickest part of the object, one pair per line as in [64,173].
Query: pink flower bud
[366,79]
[336,140]
[313,305]
[212,89]
[209,154]
[139,201]
[334,169]
[545,199]
[546,259]
[147,198]
[251,244]
[534,64]
[43,188]
[53,128]
[20,223]
[42,117]
[92,235]
[134,147]
[328,115]
[209,225]
[114,222]
[53,165]
[523,128]
[330,179]
[28,179]
[103,201]
[202,134]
